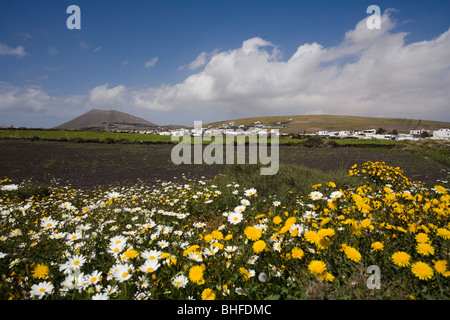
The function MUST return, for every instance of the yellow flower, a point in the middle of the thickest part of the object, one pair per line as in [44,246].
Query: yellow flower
[208,294]
[196,274]
[326,276]
[443,233]
[352,253]
[331,184]
[259,246]
[440,266]
[377,246]
[190,249]
[277,220]
[244,272]
[297,253]
[422,270]
[130,254]
[317,267]
[401,258]
[365,223]
[208,238]
[424,249]
[440,189]
[328,232]
[290,221]
[285,229]
[218,245]
[312,236]
[252,233]
[422,237]
[41,271]
[217,235]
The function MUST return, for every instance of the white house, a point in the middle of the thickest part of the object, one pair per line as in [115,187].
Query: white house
[370,131]
[344,134]
[403,136]
[443,133]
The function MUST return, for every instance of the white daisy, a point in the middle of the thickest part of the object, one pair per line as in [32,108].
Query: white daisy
[41,289]
[336,195]
[180,281]
[250,192]
[100,296]
[10,187]
[235,217]
[316,195]
[151,254]
[150,266]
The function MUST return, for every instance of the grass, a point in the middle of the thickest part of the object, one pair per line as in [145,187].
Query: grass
[435,149]
[116,137]
[290,179]
[83,136]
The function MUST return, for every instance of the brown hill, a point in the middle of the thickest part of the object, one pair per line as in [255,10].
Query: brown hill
[108,120]
[314,123]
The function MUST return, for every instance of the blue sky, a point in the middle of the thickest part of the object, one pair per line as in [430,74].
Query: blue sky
[173,62]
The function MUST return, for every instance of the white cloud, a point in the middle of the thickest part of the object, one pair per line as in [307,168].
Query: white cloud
[6,50]
[372,72]
[98,49]
[151,62]
[104,97]
[32,99]
[200,61]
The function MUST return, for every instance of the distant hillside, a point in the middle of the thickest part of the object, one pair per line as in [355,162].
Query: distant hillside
[314,123]
[108,120]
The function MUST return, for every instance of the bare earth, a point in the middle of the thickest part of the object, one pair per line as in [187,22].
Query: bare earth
[88,165]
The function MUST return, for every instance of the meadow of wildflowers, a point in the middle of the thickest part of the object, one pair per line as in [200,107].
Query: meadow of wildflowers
[206,239]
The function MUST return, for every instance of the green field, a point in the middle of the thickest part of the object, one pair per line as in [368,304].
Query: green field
[113,137]
[81,136]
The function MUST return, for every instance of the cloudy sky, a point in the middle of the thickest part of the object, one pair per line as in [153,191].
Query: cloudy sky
[174,62]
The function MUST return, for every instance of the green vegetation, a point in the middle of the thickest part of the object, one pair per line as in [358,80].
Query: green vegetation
[117,137]
[82,136]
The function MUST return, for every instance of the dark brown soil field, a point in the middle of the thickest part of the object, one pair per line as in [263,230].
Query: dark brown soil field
[88,165]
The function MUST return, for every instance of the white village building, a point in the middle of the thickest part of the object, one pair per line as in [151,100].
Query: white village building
[443,133]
